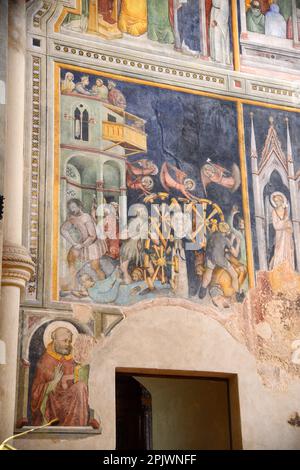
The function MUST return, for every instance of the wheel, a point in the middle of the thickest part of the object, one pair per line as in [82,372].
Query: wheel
[160,258]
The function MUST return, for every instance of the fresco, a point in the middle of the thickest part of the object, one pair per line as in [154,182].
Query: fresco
[272,147]
[184,28]
[150,195]
[269,17]
[54,373]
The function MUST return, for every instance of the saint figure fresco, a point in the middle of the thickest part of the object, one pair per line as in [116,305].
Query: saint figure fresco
[60,382]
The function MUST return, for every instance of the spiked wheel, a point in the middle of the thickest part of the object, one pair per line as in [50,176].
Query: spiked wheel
[160,260]
[205,215]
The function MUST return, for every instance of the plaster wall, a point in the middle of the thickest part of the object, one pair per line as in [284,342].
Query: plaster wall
[177,338]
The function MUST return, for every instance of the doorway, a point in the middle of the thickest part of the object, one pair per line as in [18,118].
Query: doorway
[176,410]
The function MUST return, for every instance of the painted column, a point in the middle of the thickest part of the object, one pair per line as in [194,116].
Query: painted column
[17,266]
[258,207]
[203,29]
[123,213]
[235,36]
[295,25]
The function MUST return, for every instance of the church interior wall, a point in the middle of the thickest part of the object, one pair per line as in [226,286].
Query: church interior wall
[179,115]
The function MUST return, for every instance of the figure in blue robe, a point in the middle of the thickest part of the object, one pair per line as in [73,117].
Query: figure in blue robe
[113,290]
[275,24]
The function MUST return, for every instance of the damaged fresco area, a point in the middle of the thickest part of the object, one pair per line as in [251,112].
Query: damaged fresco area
[273,148]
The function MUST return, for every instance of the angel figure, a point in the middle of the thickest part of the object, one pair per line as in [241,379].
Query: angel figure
[284,243]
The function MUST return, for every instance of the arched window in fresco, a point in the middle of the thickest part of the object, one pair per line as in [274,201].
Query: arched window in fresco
[85,125]
[77,124]
[81,123]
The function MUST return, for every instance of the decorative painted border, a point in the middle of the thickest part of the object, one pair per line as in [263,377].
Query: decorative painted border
[37,17]
[188,74]
[110,59]
[31,289]
[257,88]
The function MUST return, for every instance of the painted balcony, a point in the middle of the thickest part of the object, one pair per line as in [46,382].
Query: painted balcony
[129,134]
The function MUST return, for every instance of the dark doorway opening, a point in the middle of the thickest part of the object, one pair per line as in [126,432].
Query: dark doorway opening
[176,410]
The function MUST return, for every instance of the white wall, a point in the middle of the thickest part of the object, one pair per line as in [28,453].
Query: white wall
[176,338]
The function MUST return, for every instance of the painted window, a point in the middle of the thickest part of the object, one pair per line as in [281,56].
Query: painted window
[81,123]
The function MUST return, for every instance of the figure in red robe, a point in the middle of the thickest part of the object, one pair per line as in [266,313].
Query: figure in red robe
[58,391]
[115,97]
[105,8]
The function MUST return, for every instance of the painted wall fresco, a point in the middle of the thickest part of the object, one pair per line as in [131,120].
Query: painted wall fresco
[54,373]
[119,144]
[269,36]
[150,194]
[195,30]
[177,28]
[272,18]
[272,145]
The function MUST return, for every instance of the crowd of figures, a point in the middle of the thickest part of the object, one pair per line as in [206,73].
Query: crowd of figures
[107,268]
[175,22]
[270,17]
[107,93]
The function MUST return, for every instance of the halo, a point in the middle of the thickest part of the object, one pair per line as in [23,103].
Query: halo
[188,181]
[147,182]
[58,324]
[209,166]
[155,169]
[278,193]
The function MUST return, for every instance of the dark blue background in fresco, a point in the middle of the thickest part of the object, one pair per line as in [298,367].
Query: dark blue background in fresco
[261,127]
[184,130]
[189,24]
